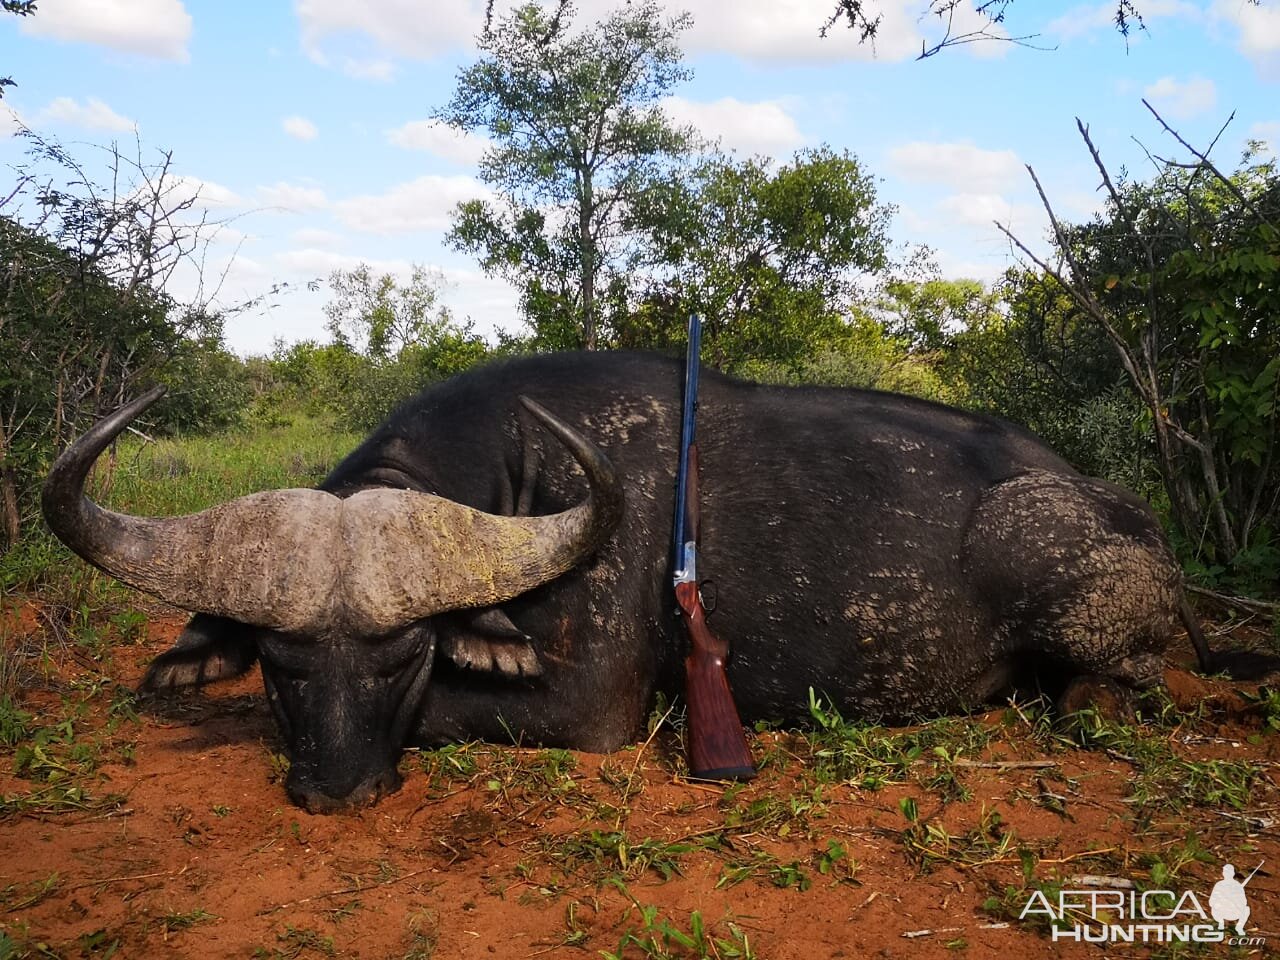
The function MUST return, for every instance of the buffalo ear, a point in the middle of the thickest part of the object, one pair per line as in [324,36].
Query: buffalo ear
[210,648]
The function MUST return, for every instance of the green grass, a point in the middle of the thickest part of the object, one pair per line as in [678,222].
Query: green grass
[869,756]
[663,937]
[176,920]
[82,609]
[1163,777]
[295,941]
[186,474]
[611,854]
[179,475]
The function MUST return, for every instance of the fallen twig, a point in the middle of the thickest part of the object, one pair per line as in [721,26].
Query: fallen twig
[626,790]
[136,876]
[1094,880]
[358,888]
[913,934]
[1256,821]
[1248,603]
[1007,764]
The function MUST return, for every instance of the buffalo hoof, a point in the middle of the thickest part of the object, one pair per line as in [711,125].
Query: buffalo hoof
[1102,695]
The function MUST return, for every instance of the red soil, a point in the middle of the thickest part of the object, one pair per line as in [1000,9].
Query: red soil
[477,865]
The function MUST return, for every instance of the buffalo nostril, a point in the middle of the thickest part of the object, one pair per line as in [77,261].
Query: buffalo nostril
[376,787]
[316,799]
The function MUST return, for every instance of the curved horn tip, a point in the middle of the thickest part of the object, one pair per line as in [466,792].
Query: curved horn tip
[568,435]
[63,487]
[537,409]
[606,488]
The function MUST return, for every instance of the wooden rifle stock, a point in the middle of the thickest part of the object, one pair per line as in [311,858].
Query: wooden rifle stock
[718,748]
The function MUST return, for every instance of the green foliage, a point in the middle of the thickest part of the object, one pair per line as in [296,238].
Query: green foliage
[1023,351]
[295,941]
[612,853]
[175,920]
[391,338]
[14,723]
[188,474]
[59,753]
[578,132]
[660,937]
[865,356]
[1182,276]
[928,843]
[85,322]
[1163,778]
[871,756]
[767,257]
[209,388]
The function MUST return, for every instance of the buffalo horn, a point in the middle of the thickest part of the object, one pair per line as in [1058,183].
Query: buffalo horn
[304,561]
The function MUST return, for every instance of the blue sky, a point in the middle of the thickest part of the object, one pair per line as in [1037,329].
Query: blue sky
[304,125]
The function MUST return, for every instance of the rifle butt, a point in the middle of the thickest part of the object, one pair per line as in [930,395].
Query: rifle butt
[718,748]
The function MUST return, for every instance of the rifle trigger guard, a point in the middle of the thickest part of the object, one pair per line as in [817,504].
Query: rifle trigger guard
[709,593]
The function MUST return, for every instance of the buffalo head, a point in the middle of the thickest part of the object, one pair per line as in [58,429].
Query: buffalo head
[334,596]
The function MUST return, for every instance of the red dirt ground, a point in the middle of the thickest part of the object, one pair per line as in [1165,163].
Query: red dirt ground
[186,845]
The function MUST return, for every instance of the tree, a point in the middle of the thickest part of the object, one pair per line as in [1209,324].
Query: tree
[578,135]
[381,315]
[769,257]
[391,338]
[1182,276]
[84,316]
[929,314]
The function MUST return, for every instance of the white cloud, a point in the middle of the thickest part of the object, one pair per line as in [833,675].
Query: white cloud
[788,30]
[1268,131]
[93,114]
[292,198]
[1259,32]
[1182,98]
[1098,18]
[315,237]
[403,27]
[978,209]
[490,303]
[299,127]
[426,203]
[379,70]
[11,121]
[440,140]
[773,30]
[152,28]
[206,194]
[762,127]
[982,210]
[314,262]
[226,235]
[959,165]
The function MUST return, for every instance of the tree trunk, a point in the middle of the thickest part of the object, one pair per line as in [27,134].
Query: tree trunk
[587,249]
[10,519]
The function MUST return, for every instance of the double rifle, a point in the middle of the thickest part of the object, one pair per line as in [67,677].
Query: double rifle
[717,746]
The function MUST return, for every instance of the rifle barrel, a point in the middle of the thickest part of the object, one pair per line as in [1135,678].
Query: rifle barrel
[688,427]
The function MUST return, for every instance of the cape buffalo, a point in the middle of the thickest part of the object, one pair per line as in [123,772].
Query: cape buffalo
[482,568]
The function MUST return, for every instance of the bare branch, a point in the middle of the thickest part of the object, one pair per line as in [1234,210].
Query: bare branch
[1209,165]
